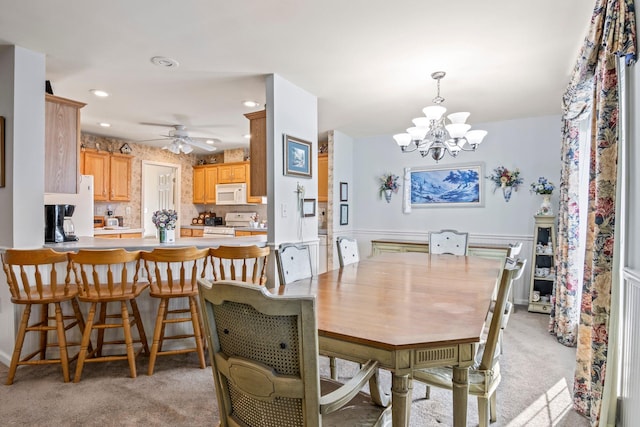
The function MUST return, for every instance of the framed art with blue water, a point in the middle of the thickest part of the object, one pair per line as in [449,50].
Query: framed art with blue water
[297,157]
[448,186]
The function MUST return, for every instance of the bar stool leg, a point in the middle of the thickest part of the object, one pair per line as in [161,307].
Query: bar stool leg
[157,331]
[197,333]
[62,343]
[22,330]
[44,321]
[103,321]
[138,319]
[131,356]
[86,338]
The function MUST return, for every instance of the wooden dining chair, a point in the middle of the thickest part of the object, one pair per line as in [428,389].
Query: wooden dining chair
[173,275]
[347,251]
[34,279]
[264,357]
[484,375]
[448,242]
[104,277]
[244,263]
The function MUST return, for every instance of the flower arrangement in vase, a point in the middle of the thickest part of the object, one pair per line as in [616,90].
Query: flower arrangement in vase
[545,188]
[506,179]
[165,221]
[389,184]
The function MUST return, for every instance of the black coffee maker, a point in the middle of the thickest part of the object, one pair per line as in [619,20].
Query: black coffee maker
[58,226]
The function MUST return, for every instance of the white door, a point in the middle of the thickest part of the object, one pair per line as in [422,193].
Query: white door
[160,190]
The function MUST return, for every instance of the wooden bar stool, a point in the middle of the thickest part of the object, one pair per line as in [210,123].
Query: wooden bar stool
[27,272]
[103,277]
[167,269]
[244,263]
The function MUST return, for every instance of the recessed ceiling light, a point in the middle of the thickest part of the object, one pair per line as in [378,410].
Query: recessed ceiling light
[247,136]
[99,93]
[210,141]
[105,125]
[163,61]
[250,104]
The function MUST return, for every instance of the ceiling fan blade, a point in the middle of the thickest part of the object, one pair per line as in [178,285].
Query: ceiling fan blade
[155,139]
[200,144]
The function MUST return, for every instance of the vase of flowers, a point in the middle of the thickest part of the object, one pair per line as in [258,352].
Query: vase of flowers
[545,188]
[508,180]
[165,221]
[388,185]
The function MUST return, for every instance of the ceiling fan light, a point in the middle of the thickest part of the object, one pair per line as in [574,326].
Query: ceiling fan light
[186,148]
[434,112]
[402,139]
[457,130]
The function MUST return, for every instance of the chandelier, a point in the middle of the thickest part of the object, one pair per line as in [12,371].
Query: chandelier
[431,134]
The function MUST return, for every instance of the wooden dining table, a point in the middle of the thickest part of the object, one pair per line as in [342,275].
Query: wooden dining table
[407,311]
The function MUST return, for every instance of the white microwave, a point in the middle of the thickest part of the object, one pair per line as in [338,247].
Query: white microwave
[231,194]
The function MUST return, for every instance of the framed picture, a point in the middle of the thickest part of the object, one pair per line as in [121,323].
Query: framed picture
[308,207]
[344,192]
[344,214]
[447,186]
[2,151]
[297,157]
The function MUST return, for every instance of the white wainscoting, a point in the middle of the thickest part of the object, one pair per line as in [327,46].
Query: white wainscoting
[630,396]
[520,287]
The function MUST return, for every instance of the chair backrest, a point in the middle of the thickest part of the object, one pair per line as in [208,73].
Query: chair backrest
[347,251]
[33,275]
[514,250]
[105,273]
[264,354]
[171,265]
[491,349]
[294,262]
[245,263]
[448,242]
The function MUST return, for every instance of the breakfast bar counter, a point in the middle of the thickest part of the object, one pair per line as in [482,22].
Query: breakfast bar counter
[149,243]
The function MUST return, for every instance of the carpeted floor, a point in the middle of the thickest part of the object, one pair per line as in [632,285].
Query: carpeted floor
[535,390]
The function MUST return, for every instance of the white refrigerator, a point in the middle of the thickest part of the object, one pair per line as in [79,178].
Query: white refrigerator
[83,215]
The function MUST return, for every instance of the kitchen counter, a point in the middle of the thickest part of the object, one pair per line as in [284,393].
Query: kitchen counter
[115,230]
[149,243]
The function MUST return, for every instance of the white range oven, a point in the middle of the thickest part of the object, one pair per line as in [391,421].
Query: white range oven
[231,220]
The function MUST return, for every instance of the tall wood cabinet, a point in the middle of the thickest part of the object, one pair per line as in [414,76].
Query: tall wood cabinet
[62,136]
[543,271]
[111,175]
[258,152]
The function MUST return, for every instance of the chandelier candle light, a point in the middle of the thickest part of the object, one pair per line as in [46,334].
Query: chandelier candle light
[432,134]
[165,221]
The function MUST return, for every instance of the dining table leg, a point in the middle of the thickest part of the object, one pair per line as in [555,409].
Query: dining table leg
[460,395]
[401,399]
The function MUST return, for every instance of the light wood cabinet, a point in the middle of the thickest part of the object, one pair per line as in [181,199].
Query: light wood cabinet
[61,136]
[198,185]
[258,152]
[232,174]
[323,177]
[119,236]
[111,175]
[191,232]
[205,179]
[240,233]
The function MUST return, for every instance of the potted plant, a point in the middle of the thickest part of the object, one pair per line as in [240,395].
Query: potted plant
[506,179]
[388,185]
[165,221]
[545,188]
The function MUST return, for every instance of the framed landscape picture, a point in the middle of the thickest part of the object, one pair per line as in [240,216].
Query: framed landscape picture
[344,214]
[447,186]
[297,157]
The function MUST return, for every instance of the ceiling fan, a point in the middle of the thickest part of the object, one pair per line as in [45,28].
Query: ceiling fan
[182,142]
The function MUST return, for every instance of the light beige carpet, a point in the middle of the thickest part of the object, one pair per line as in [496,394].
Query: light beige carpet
[535,391]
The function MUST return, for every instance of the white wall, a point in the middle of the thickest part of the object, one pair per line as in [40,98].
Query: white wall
[532,145]
[291,111]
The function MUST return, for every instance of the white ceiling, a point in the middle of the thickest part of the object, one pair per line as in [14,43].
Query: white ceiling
[368,61]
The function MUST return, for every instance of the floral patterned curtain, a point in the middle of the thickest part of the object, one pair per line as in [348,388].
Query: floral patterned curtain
[593,90]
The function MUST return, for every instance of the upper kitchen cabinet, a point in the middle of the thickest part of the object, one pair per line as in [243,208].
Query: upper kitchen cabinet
[205,179]
[232,174]
[111,175]
[62,136]
[323,177]
[258,152]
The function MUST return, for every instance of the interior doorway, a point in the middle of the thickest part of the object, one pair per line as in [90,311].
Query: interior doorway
[160,190]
